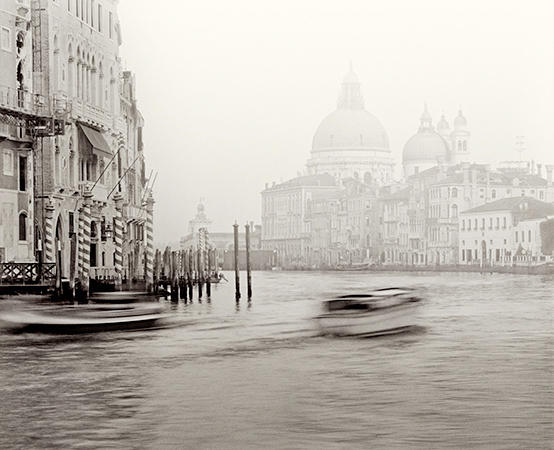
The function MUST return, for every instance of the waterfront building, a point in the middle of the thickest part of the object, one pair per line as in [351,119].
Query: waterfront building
[351,142]
[16,162]
[437,195]
[511,230]
[285,229]
[395,226]
[91,211]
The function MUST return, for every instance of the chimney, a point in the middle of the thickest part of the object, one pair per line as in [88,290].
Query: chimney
[549,168]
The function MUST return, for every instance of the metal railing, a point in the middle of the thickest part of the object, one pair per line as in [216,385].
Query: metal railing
[27,273]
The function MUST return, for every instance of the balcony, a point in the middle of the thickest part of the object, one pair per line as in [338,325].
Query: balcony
[100,192]
[23,102]
[90,114]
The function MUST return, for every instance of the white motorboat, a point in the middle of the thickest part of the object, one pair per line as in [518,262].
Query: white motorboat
[380,312]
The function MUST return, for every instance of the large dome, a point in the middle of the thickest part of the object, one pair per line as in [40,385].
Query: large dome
[350,142]
[350,129]
[426,145]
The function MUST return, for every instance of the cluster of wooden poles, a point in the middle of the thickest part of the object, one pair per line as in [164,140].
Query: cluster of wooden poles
[177,272]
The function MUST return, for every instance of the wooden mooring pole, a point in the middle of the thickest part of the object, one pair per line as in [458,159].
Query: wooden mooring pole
[199,274]
[174,284]
[183,284]
[248,274]
[189,276]
[237,274]
[208,274]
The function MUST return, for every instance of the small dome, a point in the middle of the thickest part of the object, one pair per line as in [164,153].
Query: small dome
[350,128]
[426,145]
[460,121]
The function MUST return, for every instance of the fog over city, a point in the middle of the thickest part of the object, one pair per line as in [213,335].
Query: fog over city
[232,92]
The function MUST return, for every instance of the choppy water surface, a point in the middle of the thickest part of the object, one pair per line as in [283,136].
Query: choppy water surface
[476,373]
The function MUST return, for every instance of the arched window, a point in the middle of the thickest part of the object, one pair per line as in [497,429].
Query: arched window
[465,146]
[78,65]
[56,66]
[93,76]
[20,42]
[22,226]
[493,193]
[100,86]
[454,192]
[70,70]
[454,210]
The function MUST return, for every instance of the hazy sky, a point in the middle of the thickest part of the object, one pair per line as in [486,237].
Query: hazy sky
[233,91]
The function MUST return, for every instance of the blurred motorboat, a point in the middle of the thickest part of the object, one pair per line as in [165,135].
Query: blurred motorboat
[119,297]
[380,312]
[84,318]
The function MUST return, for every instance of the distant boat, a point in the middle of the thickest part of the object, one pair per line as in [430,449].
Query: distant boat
[353,267]
[84,318]
[383,311]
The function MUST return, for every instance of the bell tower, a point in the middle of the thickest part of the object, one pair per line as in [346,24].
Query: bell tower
[459,138]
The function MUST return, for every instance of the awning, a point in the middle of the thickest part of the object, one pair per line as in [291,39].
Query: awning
[97,141]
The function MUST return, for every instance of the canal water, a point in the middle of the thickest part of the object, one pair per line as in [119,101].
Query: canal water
[476,373]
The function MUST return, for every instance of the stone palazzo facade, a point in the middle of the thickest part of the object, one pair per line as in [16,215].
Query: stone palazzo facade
[89,207]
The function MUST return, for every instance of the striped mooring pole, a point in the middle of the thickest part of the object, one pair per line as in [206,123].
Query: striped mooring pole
[149,273]
[85,249]
[86,220]
[49,255]
[118,240]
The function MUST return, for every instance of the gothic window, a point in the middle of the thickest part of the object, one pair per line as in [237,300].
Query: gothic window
[22,227]
[20,42]
[23,173]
